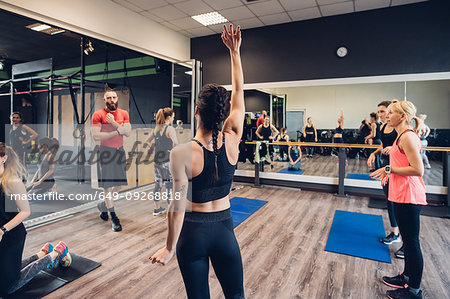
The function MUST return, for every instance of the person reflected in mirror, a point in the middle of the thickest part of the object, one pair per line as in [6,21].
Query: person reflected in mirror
[21,137]
[310,133]
[165,139]
[374,137]
[295,157]
[338,136]
[267,132]
[109,125]
[423,134]
[283,137]
[43,180]
[261,118]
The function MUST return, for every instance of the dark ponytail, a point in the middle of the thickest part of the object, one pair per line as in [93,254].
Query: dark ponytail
[213,107]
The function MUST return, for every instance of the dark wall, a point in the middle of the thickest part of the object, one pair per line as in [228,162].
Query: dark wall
[151,93]
[256,101]
[396,40]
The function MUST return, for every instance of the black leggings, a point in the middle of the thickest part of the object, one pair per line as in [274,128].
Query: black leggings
[204,237]
[390,206]
[15,272]
[310,138]
[408,217]
[384,160]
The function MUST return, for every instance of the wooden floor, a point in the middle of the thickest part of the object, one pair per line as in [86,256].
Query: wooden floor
[282,247]
[328,166]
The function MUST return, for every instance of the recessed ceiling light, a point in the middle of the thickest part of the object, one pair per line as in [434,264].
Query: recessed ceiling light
[210,18]
[44,28]
[39,27]
[188,73]
[176,85]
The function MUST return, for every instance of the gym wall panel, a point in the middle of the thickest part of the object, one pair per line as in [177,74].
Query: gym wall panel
[256,100]
[67,121]
[397,40]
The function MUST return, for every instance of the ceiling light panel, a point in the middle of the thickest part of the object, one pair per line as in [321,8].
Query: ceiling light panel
[210,18]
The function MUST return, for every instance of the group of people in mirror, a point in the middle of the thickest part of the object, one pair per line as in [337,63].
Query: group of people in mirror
[200,226]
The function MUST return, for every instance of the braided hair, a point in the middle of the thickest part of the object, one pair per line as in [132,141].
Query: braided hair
[213,106]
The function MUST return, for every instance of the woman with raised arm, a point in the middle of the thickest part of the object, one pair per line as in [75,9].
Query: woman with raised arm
[203,171]
[407,192]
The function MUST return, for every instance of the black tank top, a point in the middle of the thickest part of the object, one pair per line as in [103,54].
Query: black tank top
[163,146]
[8,210]
[339,130]
[203,188]
[389,138]
[266,132]
[309,130]
[378,130]
[365,130]
[283,139]
[14,137]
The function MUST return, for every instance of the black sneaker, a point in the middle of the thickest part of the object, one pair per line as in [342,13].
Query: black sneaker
[101,206]
[391,238]
[156,212]
[116,224]
[403,294]
[398,281]
[400,253]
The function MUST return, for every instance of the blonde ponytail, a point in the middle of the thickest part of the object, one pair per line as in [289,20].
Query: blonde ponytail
[13,169]
[409,110]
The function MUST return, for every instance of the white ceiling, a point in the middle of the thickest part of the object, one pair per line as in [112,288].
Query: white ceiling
[176,14]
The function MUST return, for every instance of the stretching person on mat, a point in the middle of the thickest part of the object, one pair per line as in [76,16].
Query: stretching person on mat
[43,180]
[165,138]
[16,272]
[295,157]
[206,234]
[267,132]
[387,136]
[407,192]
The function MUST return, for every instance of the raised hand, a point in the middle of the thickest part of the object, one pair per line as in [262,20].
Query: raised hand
[232,39]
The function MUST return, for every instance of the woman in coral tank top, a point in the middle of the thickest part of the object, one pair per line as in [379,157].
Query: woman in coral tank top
[407,192]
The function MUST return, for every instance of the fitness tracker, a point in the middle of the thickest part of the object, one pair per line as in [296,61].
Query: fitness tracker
[387,169]
[5,231]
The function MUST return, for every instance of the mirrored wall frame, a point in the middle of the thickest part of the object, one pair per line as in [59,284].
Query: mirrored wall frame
[436,184]
[104,63]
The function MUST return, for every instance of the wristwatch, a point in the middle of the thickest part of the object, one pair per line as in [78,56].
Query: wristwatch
[5,231]
[387,169]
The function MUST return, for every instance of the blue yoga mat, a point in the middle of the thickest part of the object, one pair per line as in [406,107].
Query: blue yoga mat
[242,208]
[359,176]
[358,235]
[286,170]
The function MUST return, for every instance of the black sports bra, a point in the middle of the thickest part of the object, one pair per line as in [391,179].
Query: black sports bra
[202,187]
